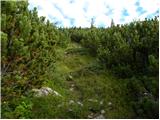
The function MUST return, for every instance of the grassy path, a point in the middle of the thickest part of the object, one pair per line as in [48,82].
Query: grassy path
[86,93]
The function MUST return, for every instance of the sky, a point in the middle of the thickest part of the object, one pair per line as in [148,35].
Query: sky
[78,13]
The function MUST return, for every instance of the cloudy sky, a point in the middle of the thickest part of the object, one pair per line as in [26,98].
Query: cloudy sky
[70,13]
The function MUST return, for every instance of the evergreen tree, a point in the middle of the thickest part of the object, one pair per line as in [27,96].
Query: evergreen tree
[112,23]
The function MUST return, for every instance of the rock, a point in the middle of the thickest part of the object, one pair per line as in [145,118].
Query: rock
[70,77]
[101,103]
[47,88]
[147,94]
[92,100]
[70,110]
[72,85]
[79,103]
[37,93]
[103,111]
[71,89]
[60,105]
[65,53]
[90,116]
[35,90]
[56,93]
[109,104]
[44,91]
[100,117]
[71,102]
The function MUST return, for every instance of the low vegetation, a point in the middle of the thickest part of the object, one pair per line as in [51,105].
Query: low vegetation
[98,72]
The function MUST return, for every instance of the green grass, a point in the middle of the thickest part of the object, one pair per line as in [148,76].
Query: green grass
[106,89]
[99,87]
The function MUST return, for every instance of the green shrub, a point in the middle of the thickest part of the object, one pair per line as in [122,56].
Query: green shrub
[19,108]
[146,108]
[122,71]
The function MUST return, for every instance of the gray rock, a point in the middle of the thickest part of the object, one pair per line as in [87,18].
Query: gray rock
[70,110]
[101,103]
[44,91]
[37,93]
[103,111]
[72,85]
[79,103]
[90,116]
[71,89]
[92,100]
[70,77]
[71,102]
[65,53]
[100,117]
[147,94]
[56,93]
[109,104]
[60,105]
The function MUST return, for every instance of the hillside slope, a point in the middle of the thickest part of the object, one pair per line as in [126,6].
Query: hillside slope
[86,92]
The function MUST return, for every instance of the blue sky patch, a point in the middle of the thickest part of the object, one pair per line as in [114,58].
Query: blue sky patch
[69,13]
[109,12]
[72,21]
[122,19]
[85,7]
[125,12]
[101,25]
[137,3]
[156,13]
[71,1]
[140,10]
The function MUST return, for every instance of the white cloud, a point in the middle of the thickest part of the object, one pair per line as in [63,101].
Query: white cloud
[95,8]
[149,5]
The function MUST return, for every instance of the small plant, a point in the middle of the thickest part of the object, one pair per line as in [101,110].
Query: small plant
[23,110]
